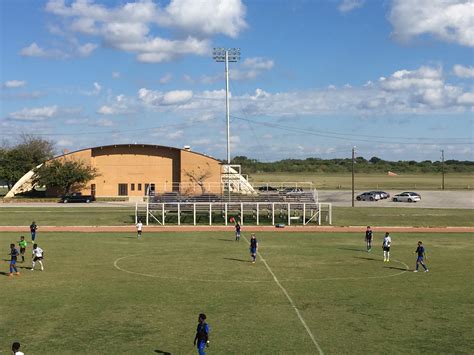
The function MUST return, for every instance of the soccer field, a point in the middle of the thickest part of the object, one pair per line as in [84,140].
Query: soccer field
[109,293]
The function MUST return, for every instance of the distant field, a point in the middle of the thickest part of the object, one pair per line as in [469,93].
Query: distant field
[371,181]
[109,293]
[342,216]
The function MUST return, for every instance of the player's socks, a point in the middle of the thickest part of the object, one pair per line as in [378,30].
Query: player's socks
[41,263]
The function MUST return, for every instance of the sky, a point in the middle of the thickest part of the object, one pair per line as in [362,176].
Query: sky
[392,78]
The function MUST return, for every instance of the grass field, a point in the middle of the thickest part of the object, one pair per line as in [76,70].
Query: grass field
[111,216]
[351,301]
[371,181]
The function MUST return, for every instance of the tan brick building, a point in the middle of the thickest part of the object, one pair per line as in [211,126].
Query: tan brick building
[135,169]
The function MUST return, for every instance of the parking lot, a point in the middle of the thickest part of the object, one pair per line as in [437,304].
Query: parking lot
[429,199]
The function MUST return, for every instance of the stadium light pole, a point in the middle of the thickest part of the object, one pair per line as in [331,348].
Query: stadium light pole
[227,55]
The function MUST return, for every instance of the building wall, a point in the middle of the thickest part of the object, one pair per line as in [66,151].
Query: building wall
[136,167]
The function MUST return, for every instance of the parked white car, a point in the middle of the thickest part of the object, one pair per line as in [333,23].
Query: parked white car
[406,197]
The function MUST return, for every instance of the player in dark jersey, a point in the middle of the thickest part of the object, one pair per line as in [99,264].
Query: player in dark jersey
[237,231]
[13,257]
[202,334]
[33,228]
[253,248]
[420,251]
[368,238]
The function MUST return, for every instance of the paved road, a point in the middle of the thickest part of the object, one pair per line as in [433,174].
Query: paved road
[429,199]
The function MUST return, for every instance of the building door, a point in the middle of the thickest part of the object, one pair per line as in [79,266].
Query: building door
[123,189]
[93,189]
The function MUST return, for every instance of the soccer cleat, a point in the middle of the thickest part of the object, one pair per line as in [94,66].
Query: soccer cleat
[427,270]
[10,274]
[17,273]
[415,270]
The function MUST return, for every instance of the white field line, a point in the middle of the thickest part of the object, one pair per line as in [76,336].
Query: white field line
[291,302]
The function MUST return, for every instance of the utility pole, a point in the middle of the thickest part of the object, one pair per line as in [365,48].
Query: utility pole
[353,162]
[226,56]
[442,169]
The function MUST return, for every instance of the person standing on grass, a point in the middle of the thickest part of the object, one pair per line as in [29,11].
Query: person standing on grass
[387,242]
[253,247]
[33,229]
[368,238]
[202,335]
[237,231]
[139,228]
[13,257]
[22,243]
[420,250]
[16,348]
[37,255]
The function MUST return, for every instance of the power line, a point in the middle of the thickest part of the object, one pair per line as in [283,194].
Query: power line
[344,136]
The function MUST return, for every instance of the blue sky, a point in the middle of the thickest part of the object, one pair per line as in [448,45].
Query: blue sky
[393,78]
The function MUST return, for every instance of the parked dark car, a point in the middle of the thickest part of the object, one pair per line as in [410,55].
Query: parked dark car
[77,197]
[293,190]
[267,188]
[383,194]
[368,196]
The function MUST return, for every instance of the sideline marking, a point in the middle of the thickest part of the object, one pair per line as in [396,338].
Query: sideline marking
[291,302]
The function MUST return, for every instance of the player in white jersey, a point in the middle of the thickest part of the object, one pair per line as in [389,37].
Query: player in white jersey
[37,255]
[139,228]
[387,241]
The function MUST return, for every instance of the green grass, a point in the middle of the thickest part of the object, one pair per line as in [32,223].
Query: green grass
[342,216]
[371,181]
[351,301]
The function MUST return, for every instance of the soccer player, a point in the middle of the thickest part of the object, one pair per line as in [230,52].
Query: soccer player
[253,248]
[139,228]
[13,256]
[387,241]
[22,243]
[368,238]
[33,228]
[420,250]
[237,231]
[37,255]
[202,334]
[16,348]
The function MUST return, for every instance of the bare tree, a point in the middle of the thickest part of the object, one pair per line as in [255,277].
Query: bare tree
[199,176]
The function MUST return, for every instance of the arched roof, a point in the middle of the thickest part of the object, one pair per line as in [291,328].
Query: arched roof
[135,145]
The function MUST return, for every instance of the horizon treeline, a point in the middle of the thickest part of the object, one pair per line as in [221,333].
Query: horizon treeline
[362,165]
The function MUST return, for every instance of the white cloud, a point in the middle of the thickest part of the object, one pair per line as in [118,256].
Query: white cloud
[64,143]
[13,84]
[463,72]
[97,88]
[158,98]
[33,50]
[35,114]
[74,49]
[349,5]
[104,122]
[119,105]
[466,99]
[165,79]
[251,68]
[176,134]
[128,27]
[447,20]
[115,75]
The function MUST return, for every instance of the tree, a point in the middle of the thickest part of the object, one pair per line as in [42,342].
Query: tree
[65,175]
[16,161]
[199,176]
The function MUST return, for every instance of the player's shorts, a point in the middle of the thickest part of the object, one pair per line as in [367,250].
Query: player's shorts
[237,234]
[253,250]
[12,262]
[22,250]
[36,258]
[386,248]
[420,258]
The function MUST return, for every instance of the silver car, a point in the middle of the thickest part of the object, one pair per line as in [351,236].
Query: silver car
[368,196]
[406,197]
